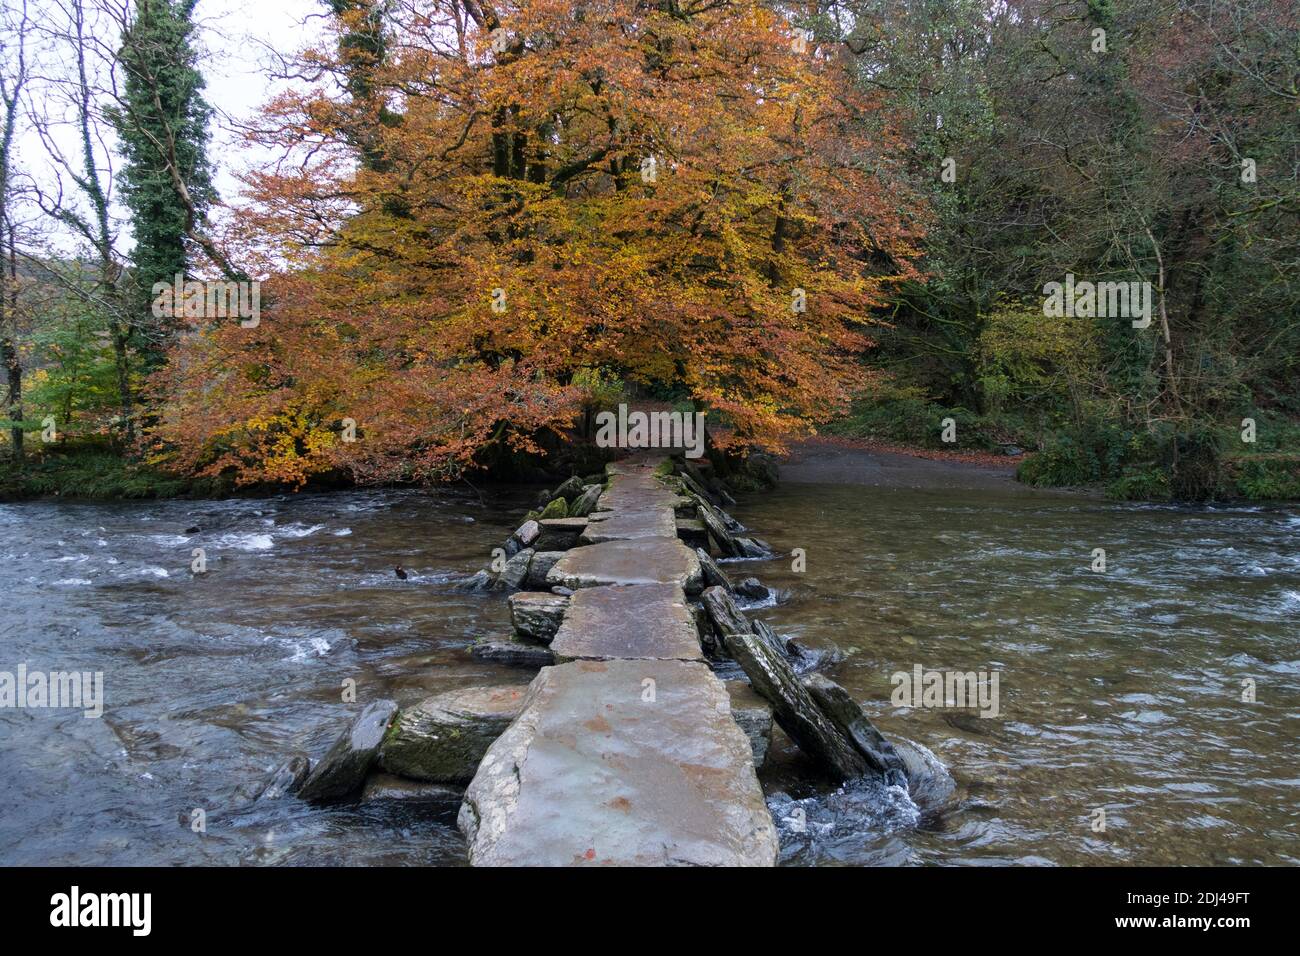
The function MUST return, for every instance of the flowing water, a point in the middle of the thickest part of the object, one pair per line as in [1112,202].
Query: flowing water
[1118,691]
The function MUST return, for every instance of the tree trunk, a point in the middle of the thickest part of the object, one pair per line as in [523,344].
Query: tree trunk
[9,351]
[122,361]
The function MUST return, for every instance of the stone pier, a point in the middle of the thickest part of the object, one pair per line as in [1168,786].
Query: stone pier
[625,751]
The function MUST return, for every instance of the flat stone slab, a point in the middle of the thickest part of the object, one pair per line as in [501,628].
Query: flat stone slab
[636,561]
[385,787]
[637,621]
[628,523]
[597,771]
[635,505]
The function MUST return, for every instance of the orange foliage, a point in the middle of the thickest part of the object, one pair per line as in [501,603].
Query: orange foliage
[648,183]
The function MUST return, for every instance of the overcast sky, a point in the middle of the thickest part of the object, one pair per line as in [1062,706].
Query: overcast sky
[238,39]
[236,35]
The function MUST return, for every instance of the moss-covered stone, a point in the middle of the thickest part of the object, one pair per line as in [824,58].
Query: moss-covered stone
[443,738]
[585,503]
[557,508]
[569,489]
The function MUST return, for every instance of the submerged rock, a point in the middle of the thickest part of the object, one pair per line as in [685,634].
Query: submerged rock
[344,767]
[512,651]
[443,738]
[387,788]
[754,715]
[843,711]
[928,779]
[483,580]
[840,820]
[752,589]
[287,778]
[752,548]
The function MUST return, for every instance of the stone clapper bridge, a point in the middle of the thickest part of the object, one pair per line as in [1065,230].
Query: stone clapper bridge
[626,748]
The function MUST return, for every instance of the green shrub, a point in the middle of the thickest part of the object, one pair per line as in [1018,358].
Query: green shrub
[902,416]
[1083,455]
[89,472]
[1063,462]
[1140,484]
[1271,478]
[1193,457]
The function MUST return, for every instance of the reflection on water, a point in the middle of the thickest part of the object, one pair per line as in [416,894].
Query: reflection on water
[1118,691]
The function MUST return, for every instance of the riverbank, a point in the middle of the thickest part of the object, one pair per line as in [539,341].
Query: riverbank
[1271,478]
[95,473]
[847,461]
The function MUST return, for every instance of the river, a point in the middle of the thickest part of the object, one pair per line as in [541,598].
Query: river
[1118,690]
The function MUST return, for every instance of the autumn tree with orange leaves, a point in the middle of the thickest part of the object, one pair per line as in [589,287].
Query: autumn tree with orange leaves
[489,207]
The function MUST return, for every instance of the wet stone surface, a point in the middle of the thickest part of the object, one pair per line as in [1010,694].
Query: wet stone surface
[640,561]
[597,770]
[639,621]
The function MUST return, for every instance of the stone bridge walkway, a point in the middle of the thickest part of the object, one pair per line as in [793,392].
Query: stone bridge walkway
[625,752]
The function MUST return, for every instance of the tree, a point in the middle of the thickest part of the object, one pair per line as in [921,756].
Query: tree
[16,28]
[1113,140]
[86,208]
[682,194]
[161,121]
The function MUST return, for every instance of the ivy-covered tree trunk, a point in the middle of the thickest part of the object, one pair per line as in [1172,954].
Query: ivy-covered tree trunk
[12,80]
[9,346]
[161,121]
